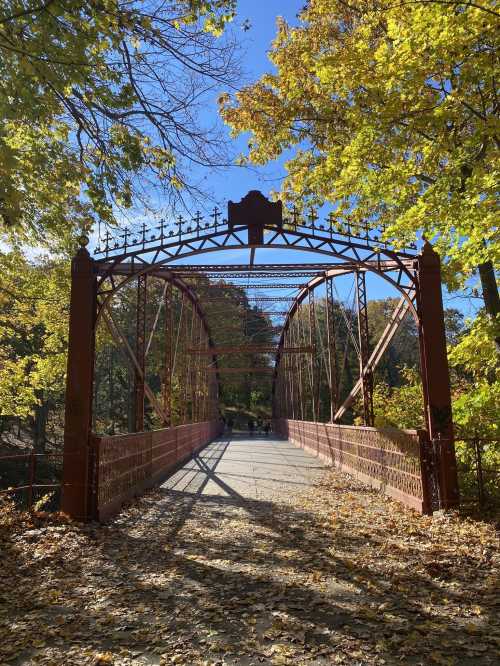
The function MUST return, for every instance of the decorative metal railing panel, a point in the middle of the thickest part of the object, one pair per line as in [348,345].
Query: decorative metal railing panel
[388,459]
[193,227]
[126,465]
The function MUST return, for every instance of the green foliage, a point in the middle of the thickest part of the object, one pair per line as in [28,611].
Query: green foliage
[33,333]
[399,406]
[98,104]
[476,405]
[393,117]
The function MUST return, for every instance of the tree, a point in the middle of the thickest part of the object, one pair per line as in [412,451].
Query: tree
[33,339]
[99,106]
[392,110]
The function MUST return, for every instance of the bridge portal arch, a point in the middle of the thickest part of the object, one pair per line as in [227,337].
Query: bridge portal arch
[253,224]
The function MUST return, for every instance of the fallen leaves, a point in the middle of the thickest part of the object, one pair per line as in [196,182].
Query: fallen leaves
[336,575]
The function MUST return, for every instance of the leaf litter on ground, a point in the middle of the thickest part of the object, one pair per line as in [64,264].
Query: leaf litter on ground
[338,574]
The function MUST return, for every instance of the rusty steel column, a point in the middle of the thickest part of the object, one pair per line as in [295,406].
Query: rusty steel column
[300,364]
[332,349]
[288,386]
[364,348]
[167,384]
[140,352]
[435,373]
[197,370]
[184,369]
[75,500]
[293,374]
[188,383]
[313,358]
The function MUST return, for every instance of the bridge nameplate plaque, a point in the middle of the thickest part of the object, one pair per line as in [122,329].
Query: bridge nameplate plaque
[255,211]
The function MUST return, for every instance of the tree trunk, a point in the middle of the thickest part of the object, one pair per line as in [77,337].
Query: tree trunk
[490,293]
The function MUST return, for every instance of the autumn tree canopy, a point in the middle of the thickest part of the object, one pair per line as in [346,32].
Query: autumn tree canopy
[391,109]
[98,105]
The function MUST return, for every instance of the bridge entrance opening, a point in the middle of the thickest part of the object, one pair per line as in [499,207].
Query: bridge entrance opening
[183,343]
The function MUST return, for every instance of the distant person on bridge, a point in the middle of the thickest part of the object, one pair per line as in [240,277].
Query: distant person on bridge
[250,426]
[267,428]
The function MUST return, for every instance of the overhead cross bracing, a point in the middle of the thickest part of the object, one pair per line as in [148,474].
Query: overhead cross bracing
[257,270]
[270,285]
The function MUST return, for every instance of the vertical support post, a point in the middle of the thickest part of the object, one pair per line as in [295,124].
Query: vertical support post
[111,412]
[435,373]
[188,384]
[291,371]
[332,349]
[300,364]
[312,357]
[140,352]
[196,369]
[167,382]
[364,348]
[32,464]
[288,384]
[79,380]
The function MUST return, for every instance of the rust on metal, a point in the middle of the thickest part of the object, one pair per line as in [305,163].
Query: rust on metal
[252,349]
[306,355]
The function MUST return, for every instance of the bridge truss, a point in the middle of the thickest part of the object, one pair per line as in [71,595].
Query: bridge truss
[302,359]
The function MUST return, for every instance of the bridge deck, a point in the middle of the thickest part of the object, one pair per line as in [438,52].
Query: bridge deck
[240,467]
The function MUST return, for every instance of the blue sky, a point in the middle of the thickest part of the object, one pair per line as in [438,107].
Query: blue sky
[255,44]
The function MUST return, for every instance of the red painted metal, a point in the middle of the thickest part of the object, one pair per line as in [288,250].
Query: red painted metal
[435,375]
[140,352]
[331,349]
[388,334]
[127,465]
[79,379]
[255,369]
[168,369]
[252,349]
[416,278]
[365,373]
[387,459]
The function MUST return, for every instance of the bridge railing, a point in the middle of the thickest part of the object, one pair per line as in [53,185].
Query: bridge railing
[124,466]
[388,459]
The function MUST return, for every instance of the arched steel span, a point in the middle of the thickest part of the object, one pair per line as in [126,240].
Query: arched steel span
[379,260]
[403,307]
[184,288]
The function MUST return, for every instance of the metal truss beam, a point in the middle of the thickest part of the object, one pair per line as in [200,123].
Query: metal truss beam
[384,341]
[243,270]
[252,349]
[271,286]
[118,336]
[235,371]
[168,369]
[140,354]
[333,379]
[365,373]
[253,299]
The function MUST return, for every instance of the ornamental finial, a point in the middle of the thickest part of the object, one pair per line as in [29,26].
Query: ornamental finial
[84,237]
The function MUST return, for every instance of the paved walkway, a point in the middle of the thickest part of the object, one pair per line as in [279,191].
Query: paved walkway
[242,467]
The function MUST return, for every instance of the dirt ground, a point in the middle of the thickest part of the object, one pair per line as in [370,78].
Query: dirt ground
[323,573]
